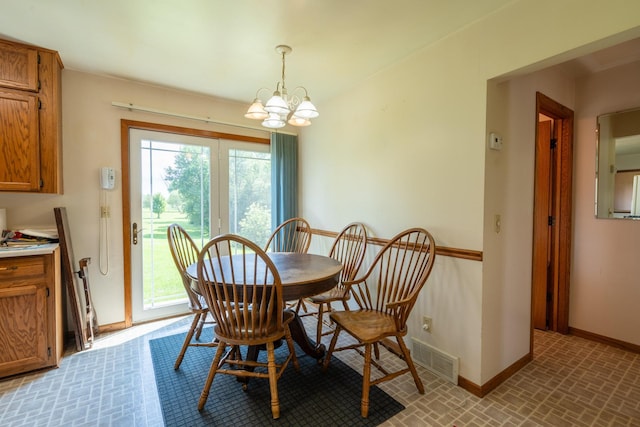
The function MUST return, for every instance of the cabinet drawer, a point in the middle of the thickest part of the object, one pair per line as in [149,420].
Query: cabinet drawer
[18,67]
[20,267]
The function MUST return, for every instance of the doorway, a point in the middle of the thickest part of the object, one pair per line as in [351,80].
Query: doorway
[208,182]
[552,216]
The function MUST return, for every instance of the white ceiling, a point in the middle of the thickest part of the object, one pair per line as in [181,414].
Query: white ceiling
[226,48]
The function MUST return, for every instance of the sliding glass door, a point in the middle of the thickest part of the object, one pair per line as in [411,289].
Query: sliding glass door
[208,186]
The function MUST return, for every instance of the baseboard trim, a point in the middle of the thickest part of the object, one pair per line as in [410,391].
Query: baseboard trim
[486,388]
[634,348]
[112,327]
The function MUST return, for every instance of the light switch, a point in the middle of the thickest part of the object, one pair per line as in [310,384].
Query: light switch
[495,141]
[497,223]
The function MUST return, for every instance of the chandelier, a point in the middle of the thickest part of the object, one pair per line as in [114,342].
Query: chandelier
[281,108]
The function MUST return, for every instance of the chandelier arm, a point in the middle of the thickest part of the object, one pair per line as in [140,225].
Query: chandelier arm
[260,90]
[303,88]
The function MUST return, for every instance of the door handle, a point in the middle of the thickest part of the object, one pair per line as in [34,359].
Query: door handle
[135,232]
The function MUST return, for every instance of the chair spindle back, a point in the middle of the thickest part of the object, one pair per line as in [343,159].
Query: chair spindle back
[349,248]
[398,273]
[293,235]
[242,288]
[184,252]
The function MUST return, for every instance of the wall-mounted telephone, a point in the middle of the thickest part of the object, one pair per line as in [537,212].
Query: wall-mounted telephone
[107,178]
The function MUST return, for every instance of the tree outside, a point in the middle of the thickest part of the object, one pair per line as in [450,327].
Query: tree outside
[189,176]
[159,204]
[249,190]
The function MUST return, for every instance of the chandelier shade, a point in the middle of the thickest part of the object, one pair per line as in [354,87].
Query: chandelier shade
[274,121]
[256,111]
[281,108]
[298,121]
[306,109]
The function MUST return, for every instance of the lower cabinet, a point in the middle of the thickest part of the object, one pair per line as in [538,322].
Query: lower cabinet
[31,324]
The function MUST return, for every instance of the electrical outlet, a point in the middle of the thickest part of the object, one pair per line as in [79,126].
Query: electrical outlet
[426,324]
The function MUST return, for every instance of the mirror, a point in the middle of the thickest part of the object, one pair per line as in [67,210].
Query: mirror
[618,165]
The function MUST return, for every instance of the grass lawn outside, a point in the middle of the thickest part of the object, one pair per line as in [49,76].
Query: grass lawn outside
[162,283]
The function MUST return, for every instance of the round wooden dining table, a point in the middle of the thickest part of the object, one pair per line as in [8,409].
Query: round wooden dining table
[302,275]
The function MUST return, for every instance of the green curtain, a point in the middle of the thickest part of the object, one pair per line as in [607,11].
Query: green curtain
[284,178]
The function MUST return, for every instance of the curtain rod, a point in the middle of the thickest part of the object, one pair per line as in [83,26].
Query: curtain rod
[133,107]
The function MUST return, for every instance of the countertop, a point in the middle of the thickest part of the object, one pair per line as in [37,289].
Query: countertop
[7,252]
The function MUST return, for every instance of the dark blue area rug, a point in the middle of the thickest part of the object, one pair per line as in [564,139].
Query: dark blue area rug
[307,398]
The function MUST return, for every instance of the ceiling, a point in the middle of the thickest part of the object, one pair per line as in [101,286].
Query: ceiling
[226,48]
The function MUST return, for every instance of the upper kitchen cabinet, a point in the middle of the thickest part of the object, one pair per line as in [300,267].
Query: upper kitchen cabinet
[30,119]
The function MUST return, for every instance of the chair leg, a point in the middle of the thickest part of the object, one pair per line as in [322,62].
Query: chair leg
[332,346]
[212,372]
[319,327]
[366,381]
[412,368]
[273,381]
[300,304]
[187,340]
[203,318]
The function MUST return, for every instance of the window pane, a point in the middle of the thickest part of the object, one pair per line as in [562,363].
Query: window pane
[175,189]
[250,194]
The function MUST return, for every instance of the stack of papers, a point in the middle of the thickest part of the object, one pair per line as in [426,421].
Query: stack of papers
[29,237]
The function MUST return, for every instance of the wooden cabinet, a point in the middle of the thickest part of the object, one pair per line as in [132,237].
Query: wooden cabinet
[31,112]
[31,326]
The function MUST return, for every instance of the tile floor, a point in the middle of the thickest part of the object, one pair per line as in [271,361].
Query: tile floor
[571,382]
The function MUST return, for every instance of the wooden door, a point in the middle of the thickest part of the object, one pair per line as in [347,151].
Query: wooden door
[20,150]
[552,216]
[543,230]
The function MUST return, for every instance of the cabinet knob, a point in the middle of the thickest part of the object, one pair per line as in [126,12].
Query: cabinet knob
[10,268]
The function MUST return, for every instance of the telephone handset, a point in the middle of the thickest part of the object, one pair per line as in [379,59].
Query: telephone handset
[107,178]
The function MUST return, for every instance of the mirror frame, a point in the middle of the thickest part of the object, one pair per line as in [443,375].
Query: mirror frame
[628,125]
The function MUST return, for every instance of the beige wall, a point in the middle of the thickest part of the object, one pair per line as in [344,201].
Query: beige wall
[603,292]
[91,135]
[509,183]
[605,271]
[406,147]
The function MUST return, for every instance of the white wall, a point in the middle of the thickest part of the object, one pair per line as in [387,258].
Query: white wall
[406,147]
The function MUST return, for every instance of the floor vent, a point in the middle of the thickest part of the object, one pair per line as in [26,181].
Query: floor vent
[440,363]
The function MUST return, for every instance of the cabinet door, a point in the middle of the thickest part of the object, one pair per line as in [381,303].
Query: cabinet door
[23,329]
[19,141]
[18,67]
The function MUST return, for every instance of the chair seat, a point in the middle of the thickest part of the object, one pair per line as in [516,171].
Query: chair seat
[334,294]
[236,337]
[366,325]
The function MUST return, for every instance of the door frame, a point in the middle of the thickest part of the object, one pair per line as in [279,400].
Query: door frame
[562,213]
[125,126]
